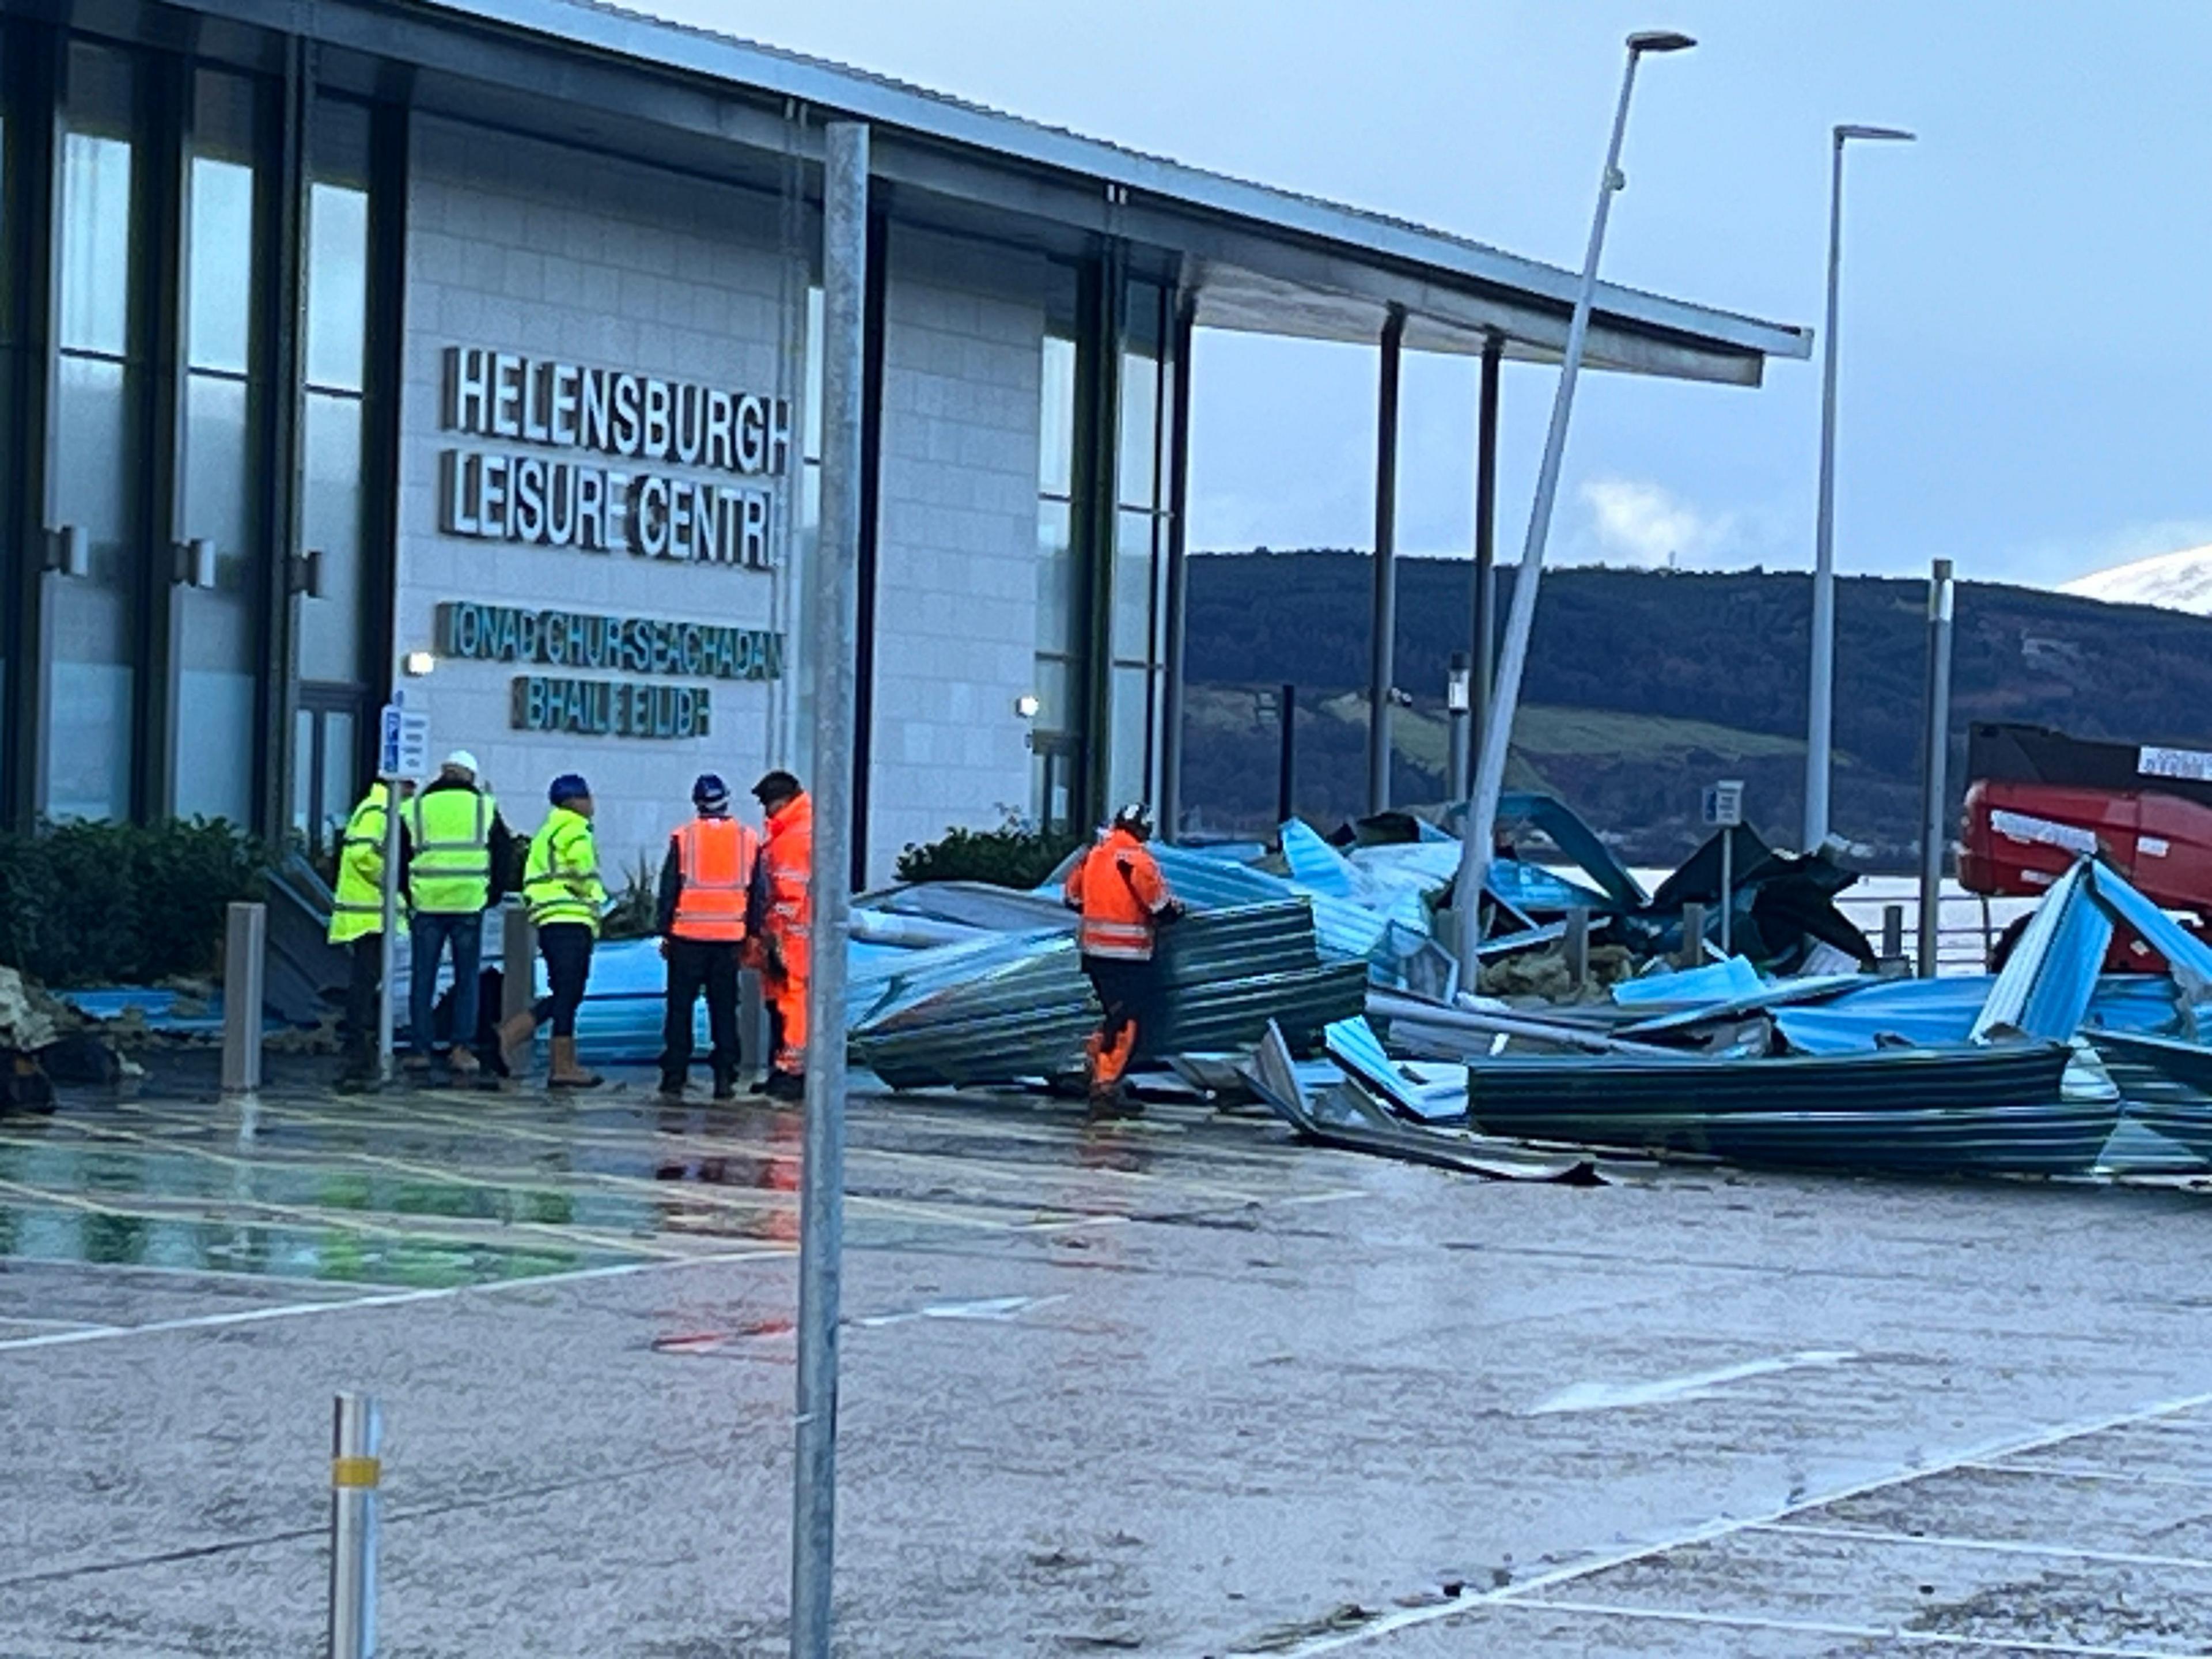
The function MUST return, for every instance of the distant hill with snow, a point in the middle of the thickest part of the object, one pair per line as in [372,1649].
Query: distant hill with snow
[2178,581]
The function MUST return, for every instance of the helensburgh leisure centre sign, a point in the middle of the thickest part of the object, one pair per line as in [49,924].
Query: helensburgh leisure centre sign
[472,631]
[659,469]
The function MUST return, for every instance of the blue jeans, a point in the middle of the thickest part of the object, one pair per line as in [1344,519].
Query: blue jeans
[431,930]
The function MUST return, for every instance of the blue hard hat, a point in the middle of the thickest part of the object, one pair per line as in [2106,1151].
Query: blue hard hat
[568,787]
[709,790]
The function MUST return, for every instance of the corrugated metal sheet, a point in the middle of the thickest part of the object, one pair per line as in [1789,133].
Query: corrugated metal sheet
[1221,978]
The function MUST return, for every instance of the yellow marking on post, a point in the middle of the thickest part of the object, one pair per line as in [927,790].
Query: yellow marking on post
[354,1473]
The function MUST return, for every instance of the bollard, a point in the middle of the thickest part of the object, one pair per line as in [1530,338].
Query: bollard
[1577,946]
[1892,933]
[518,972]
[1693,935]
[244,951]
[356,1438]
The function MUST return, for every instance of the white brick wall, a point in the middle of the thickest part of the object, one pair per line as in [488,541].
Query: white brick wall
[956,595]
[532,248]
[521,246]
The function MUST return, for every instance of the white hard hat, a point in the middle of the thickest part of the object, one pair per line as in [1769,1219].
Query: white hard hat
[461,761]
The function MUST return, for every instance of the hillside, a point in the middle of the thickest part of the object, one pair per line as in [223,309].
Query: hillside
[2181,580]
[1643,686]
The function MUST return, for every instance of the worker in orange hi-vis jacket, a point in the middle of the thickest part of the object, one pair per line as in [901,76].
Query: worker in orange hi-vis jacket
[786,954]
[1118,889]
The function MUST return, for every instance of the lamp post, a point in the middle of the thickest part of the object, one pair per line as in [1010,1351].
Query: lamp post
[1821,709]
[1481,820]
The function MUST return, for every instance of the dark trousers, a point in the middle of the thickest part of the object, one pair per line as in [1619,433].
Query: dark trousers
[365,958]
[1123,988]
[693,965]
[567,948]
[431,931]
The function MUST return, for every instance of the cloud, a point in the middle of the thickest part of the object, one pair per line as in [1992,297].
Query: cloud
[1646,523]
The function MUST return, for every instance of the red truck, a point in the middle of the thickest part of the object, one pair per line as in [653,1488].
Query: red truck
[2036,799]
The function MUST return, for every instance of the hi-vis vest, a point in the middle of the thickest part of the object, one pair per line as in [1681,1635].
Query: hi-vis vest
[450,872]
[790,855]
[560,878]
[358,911]
[1120,891]
[716,857]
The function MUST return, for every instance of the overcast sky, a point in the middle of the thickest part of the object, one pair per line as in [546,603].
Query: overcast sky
[2025,330]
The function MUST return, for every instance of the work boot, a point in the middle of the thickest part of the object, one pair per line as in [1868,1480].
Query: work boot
[726,1087]
[760,1086]
[786,1085]
[516,1033]
[567,1071]
[671,1088]
[462,1063]
[1110,1102]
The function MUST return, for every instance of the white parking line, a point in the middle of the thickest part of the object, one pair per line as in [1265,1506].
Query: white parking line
[1523,1593]
[1886,1633]
[381,1299]
[1985,1545]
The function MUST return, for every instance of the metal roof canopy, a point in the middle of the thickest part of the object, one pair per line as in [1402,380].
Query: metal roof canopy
[1260,259]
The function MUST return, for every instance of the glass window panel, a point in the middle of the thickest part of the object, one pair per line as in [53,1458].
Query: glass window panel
[303,769]
[219,280]
[337,286]
[1055,686]
[812,412]
[1132,717]
[331,625]
[1144,328]
[88,749]
[223,115]
[340,749]
[1140,399]
[1059,617]
[217,655]
[95,230]
[338,151]
[1056,423]
[1132,586]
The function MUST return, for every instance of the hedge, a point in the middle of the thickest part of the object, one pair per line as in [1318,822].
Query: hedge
[1015,855]
[123,903]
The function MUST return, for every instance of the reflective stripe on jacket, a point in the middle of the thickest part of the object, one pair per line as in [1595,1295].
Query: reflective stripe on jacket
[1121,895]
[790,855]
[357,907]
[449,869]
[715,857]
[561,878]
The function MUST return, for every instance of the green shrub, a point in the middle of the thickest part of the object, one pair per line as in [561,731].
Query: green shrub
[1015,855]
[123,903]
[636,909]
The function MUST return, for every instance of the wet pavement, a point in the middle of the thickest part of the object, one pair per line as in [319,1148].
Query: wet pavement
[1174,1388]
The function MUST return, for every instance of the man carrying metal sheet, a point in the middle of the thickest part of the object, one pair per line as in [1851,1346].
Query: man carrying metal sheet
[1118,889]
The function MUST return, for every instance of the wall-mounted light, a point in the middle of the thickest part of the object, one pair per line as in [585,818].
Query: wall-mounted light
[419,663]
[69,550]
[196,562]
[1028,705]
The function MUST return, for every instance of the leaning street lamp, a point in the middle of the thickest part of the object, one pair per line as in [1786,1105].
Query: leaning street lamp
[1481,819]
[1819,711]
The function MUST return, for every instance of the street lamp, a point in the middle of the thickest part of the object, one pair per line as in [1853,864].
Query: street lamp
[1821,710]
[1481,819]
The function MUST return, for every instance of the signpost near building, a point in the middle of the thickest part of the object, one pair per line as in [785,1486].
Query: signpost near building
[1723,810]
[403,752]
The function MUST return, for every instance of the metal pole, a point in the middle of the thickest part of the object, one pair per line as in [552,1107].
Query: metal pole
[830,675]
[244,960]
[1819,722]
[1481,819]
[1892,933]
[1383,649]
[357,1444]
[1693,934]
[1483,642]
[1578,943]
[1933,835]
[1178,582]
[387,941]
[1820,714]
[1286,765]
[1727,889]
[1458,693]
